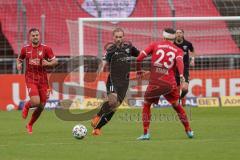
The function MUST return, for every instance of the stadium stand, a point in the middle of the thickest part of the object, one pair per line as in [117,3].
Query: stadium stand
[216,43]
[230,8]
[57,12]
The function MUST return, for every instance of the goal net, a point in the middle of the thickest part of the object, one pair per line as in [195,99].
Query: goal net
[216,42]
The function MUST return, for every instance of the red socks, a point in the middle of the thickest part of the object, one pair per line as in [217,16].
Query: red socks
[182,116]
[35,115]
[27,105]
[146,117]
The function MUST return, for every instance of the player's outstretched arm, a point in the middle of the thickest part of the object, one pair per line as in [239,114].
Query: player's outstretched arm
[140,58]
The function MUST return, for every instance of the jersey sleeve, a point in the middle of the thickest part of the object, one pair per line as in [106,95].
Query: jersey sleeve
[147,51]
[22,54]
[179,54]
[134,51]
[191,47]
[49,54]
[108,56]
[179,61]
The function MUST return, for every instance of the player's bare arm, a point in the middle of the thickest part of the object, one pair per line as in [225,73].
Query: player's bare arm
[51,63]
[192,58]
[19,64]
[180,68]
[102,65]
[140,58]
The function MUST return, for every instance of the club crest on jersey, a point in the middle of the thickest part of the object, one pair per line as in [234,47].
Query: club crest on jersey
[39,53]
[185,47]
[127,50]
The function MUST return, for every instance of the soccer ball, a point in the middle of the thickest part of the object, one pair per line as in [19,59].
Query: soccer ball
[79,131]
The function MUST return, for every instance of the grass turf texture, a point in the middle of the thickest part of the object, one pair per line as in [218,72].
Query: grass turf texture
[217,136]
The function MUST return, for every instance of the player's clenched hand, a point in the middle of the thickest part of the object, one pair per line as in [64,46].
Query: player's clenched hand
[19,65]
[192,62]
[46,63]
[140,74]
[182,79]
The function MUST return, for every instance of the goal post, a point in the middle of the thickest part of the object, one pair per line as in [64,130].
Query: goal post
[216,41]
[116,21]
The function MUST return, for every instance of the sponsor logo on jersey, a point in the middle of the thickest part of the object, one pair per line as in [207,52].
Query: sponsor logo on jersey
[157,64]
[127,50]
[162,70]
[39,53]
[34,61]
[185,47]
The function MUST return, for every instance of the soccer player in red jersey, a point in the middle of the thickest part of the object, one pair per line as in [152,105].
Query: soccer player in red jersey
[38,56]
[166,58]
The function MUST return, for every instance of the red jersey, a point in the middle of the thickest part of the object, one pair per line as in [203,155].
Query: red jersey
[35,72]
[163,62]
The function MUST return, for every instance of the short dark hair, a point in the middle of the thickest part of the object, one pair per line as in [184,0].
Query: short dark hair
[170,30]
[33,30]
[118,30]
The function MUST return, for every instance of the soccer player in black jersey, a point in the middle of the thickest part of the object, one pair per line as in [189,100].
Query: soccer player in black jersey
[117,56]
[188,60]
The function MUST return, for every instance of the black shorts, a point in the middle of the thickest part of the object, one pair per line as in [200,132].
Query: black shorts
[119,88]
[186,76]
[118,79]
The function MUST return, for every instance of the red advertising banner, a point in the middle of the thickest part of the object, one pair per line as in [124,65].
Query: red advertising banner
[214,83]
[203,83]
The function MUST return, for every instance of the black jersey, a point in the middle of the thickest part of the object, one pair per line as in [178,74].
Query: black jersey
[186,46]
[125,48]
[119,66]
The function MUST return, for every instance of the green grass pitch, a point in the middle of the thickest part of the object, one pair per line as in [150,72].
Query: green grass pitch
[217,137]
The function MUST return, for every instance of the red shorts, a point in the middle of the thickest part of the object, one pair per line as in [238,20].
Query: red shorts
[41,90]
[154,91]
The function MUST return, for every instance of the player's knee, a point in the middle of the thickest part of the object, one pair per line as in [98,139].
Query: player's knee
[175,104]
[185,87]
[185,90]
[112,100]
[113,103]
[35,102]
[146,102]
[41,107]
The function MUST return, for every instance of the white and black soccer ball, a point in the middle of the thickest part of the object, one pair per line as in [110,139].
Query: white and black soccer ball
[79,131]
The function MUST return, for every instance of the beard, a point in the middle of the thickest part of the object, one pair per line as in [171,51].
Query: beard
[118,42]
[179,39]
[35,42]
